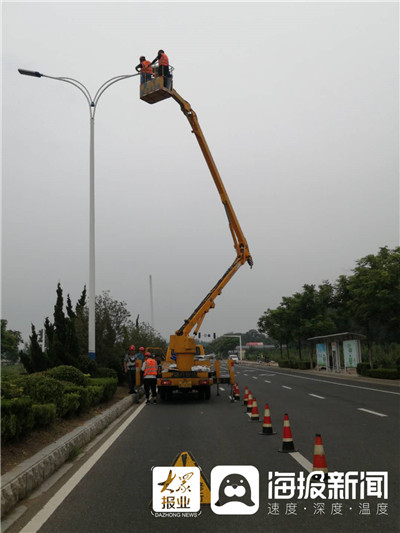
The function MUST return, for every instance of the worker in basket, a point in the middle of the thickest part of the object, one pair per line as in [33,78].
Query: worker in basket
[163,68]
[145,69]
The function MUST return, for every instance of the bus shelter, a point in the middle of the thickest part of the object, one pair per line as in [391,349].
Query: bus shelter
[329,348]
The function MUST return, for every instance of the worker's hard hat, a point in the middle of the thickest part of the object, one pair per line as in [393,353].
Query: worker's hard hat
[131,347]
[161,52]
[141,349]
[142,58]
[147,354]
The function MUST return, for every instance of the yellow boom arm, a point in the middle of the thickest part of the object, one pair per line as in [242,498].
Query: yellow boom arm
[240,244]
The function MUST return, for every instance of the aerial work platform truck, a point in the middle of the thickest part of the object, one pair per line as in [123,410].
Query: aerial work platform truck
[188,368]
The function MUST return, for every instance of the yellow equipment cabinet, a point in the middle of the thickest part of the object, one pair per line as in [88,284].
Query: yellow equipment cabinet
[185,372]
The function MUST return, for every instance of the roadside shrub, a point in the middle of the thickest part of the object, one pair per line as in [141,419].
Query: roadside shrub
[44,414]
[68,373]
[70,404]
[384,373]
[103,372]
[10,389]
[288,364]
[304,365]
[44,390]
[8,427]
[362,368]
[95,394]
[87,365]
[109,387]
[16,417]
[83,396]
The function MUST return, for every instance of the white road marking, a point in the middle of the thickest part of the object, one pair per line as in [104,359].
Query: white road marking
[305,463]
[245,374]
[254,377]
[371,412]
[266,381]
[269,374]
[340,384]
[285,387]
[316,396]
[44,514]
[222,388]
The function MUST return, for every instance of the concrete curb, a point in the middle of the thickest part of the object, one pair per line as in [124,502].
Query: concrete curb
[28,475]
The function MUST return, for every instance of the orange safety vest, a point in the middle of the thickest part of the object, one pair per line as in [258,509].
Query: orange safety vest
[151,368]
[163,60]
[146,68]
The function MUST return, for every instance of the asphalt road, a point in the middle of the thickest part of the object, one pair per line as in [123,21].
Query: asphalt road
[359,424]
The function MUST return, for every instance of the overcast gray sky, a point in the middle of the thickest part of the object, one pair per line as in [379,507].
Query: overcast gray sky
[298,103]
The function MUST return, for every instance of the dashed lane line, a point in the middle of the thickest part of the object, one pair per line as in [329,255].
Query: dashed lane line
[316,396]
[254,377]
[266,381]
[371,412]
[305,463]
[285,387]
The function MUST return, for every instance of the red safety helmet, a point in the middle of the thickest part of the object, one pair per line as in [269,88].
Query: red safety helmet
[141,349]
[147,354]
[131,347]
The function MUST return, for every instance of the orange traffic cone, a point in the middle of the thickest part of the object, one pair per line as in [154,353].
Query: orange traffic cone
[246,396]
[319,462]
[287,441]
[254,411]
[237,393]
[249,402]
[267,425]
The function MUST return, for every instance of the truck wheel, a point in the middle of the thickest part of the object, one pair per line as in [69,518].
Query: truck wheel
[163,393]
[207,392]
[201,393]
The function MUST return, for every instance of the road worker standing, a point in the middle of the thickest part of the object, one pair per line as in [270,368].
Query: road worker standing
[130,368]
[150,377]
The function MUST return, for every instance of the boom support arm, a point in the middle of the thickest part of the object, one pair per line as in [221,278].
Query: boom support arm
[239,240]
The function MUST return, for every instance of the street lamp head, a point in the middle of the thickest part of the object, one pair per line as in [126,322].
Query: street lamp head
[30,73]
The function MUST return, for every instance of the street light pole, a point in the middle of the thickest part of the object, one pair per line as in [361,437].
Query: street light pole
[92,102]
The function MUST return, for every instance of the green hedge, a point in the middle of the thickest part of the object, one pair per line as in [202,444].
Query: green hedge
[68,373]
[44,415]
[103,372]
[95,394]
[84,401]
[43,390]
[109,387]
[362,368]
[384,373]
[16,417]
[35,400]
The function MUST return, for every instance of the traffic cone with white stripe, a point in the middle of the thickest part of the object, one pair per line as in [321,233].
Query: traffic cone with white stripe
[246,396]
[236,392]
[267,424]
[249,402]
[287,441]
[254,417]
[319,461]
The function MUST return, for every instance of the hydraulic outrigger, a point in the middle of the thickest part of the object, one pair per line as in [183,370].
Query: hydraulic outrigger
[182,345]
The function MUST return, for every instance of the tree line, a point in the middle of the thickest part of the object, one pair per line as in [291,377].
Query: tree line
[367,301]
[66,336]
